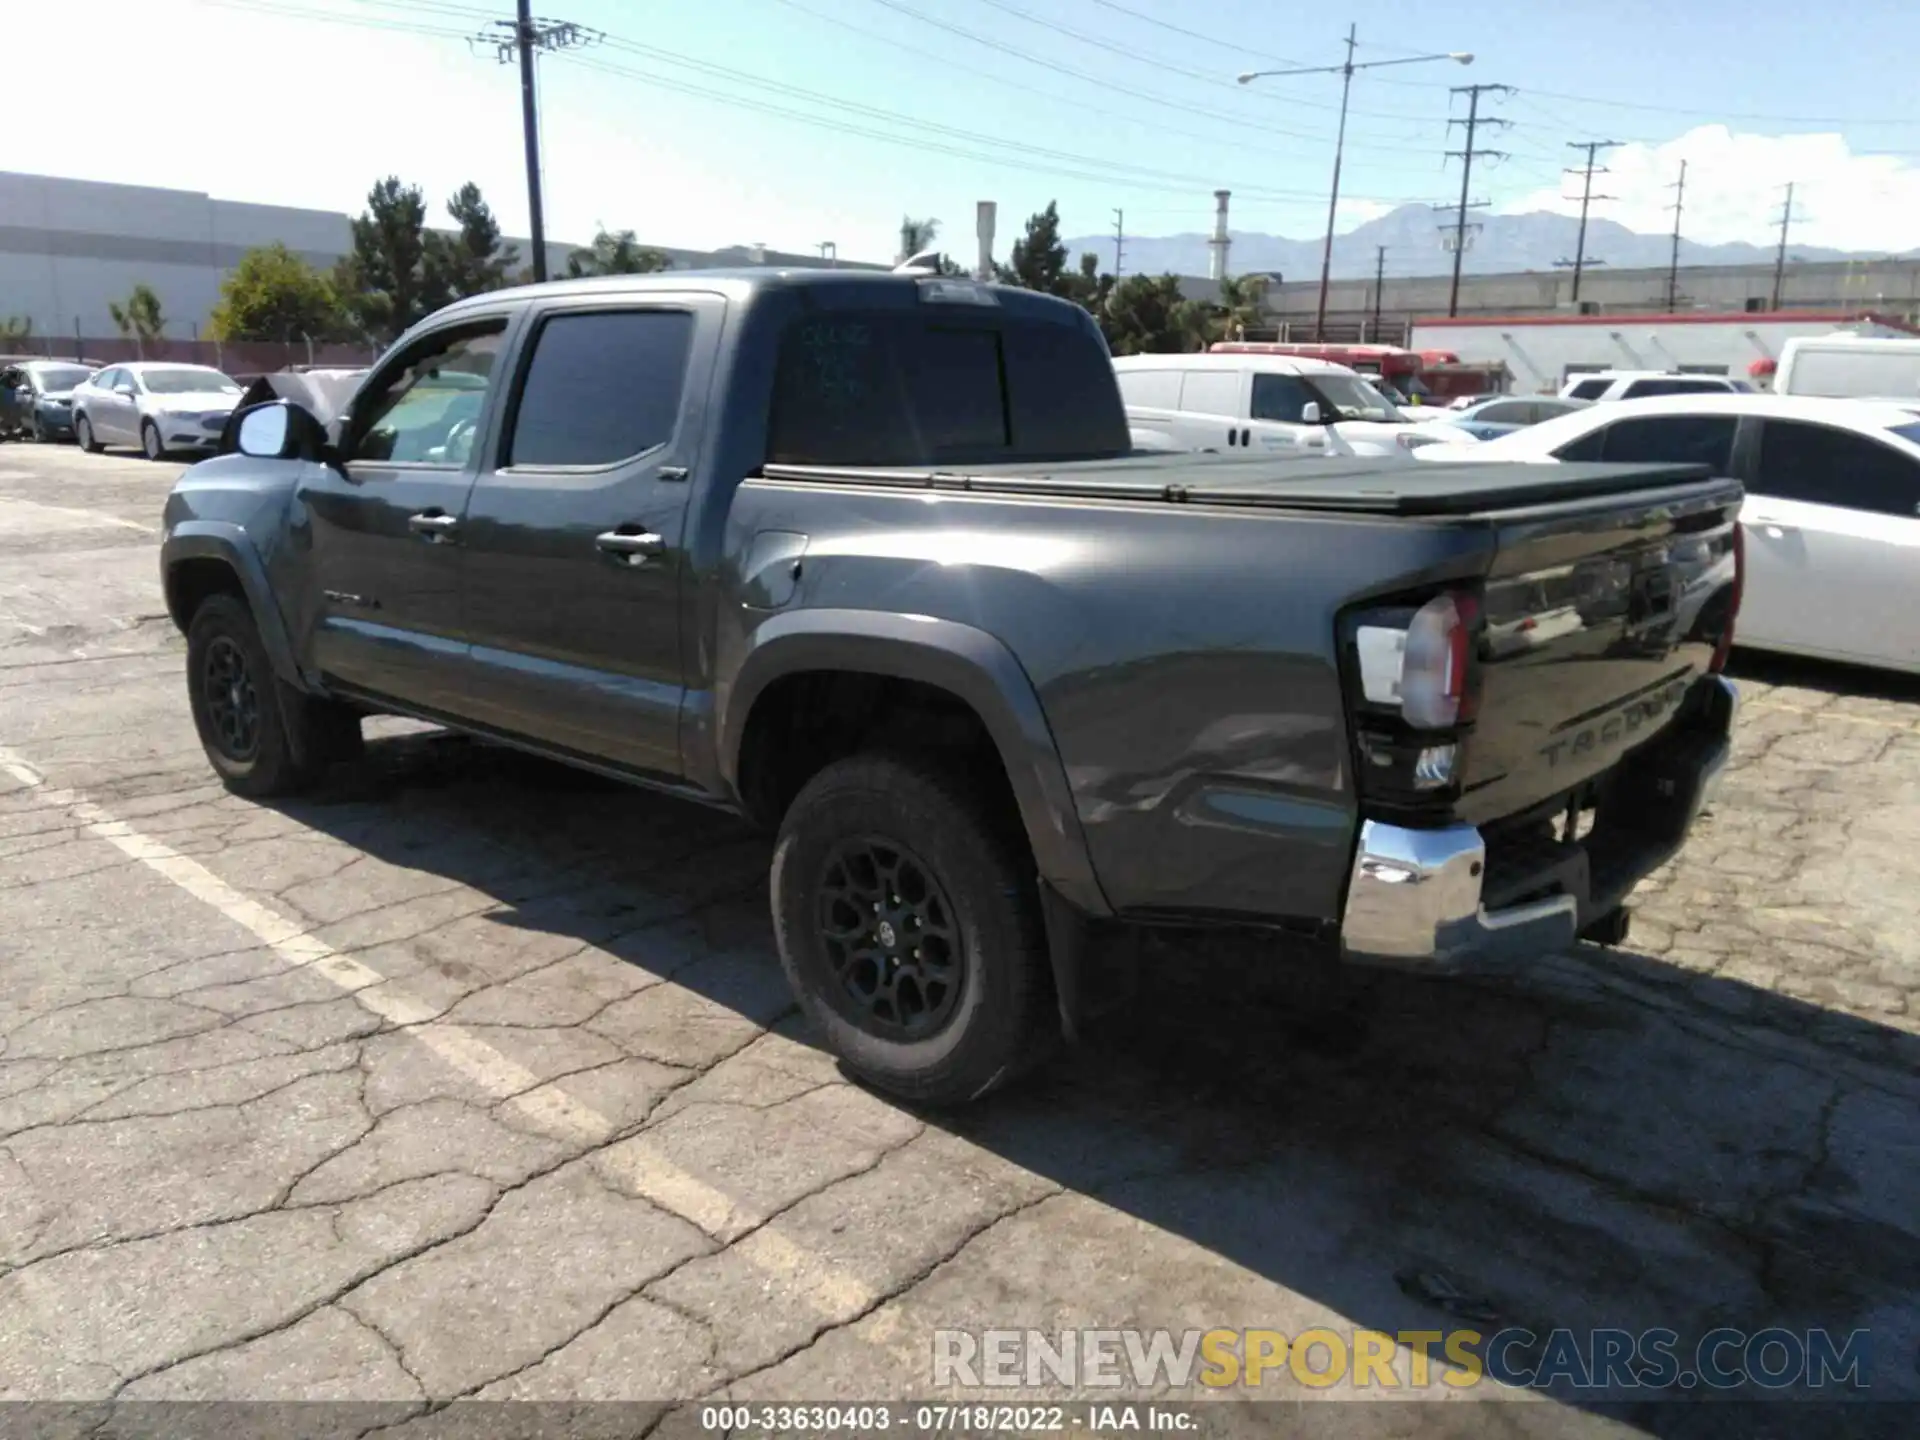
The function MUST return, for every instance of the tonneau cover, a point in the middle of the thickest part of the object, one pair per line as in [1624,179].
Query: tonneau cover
[1384,487]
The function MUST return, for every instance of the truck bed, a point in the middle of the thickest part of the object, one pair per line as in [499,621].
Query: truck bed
[1353,486]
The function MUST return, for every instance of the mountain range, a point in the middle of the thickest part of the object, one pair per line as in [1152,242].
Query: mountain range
[1412,235]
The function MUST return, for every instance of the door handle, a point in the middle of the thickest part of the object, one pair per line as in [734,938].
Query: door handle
[433,527]
[627,548]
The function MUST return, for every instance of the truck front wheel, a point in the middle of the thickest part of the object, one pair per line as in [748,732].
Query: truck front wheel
[261,735]
[910,928]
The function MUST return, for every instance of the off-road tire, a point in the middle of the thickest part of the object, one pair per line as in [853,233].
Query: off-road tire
[1004,1020]
[294,737]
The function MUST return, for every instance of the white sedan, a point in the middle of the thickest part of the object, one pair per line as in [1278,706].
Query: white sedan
[1832,515]
[161,408]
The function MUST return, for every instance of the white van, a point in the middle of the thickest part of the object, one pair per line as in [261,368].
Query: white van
[1849,367]
[1280,404]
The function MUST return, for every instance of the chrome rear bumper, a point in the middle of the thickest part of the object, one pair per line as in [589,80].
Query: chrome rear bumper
[1414,897]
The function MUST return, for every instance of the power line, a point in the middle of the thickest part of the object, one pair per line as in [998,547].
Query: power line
[1467,156]
[1053,94]
[1679,188]
[1110,87]
[1162,64]
[1587,197]
[1214,40]
[916,128]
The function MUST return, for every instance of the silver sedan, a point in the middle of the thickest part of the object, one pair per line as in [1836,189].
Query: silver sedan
[164,409]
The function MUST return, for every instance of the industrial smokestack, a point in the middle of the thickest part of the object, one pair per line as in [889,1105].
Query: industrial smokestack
[983,227]
[1220,244]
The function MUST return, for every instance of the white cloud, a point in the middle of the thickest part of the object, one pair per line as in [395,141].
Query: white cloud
[1354,213]
[1736,183]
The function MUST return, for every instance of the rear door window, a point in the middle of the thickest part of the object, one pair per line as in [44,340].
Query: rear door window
[601,388]
[1590,389]
[1673,440]
[1211,392]
[1151,389]
[1826,466]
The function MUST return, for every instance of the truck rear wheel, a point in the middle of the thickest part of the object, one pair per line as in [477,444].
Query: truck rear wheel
[261,736]
[910,928]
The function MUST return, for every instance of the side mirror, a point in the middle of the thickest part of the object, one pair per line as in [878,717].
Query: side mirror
[278,430]
[124,388]
[1310,413]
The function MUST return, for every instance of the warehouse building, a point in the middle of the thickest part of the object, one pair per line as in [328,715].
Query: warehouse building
[71,248]
[1540,352]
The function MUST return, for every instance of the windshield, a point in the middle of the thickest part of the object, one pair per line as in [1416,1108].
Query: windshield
[187,380]
[1354,399]
[58,379]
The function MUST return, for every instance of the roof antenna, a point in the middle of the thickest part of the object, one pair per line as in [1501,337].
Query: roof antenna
[926,262]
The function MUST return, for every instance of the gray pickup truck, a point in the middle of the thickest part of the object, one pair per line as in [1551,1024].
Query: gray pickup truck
[867,558]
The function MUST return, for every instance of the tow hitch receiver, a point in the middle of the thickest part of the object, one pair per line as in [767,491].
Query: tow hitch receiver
[1609,929]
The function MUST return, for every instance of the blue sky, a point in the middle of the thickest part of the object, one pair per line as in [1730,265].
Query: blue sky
[791,122]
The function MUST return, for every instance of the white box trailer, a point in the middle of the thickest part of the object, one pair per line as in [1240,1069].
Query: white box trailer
[1850,367]
[1543,351]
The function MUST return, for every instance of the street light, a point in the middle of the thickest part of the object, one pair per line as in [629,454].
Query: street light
[1345,71]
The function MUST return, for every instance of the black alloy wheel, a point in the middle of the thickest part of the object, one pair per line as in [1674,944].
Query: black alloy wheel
[891,937]
[232,699]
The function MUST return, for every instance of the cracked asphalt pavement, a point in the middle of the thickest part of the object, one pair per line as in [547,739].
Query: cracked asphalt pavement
[474,1078]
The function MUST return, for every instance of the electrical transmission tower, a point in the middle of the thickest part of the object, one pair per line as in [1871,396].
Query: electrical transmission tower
[517,41]
[1679,188]
[1467,156]
[1587,197]
[1780,255]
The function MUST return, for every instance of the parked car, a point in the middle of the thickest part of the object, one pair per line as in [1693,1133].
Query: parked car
[162,408]
[1850,367]
[1488,419]
[866,558]
[1272,404]
[1644,384]
[1832,516]
[36,398]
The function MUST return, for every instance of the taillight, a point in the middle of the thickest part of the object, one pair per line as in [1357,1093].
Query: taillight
[1425,668]
[1724,649]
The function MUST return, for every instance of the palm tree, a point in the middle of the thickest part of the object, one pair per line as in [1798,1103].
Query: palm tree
[1242,298]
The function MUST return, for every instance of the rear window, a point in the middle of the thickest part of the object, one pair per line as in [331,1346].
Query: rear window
[1590,389]
[894,388]
[1640,388]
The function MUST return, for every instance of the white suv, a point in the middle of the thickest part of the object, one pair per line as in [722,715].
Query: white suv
[1640,384]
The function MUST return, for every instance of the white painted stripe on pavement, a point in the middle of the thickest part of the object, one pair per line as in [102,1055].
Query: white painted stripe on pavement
[649,1172]
[67,512]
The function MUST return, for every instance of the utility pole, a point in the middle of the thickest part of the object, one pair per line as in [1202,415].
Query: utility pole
[1780,256]
[1345,72]
[1379,284]
[1472,122]
[522,38]
[1587,197]
[1119,241]
[1679,188]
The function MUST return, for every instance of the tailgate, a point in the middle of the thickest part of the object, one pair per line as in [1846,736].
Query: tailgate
[1595,625]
